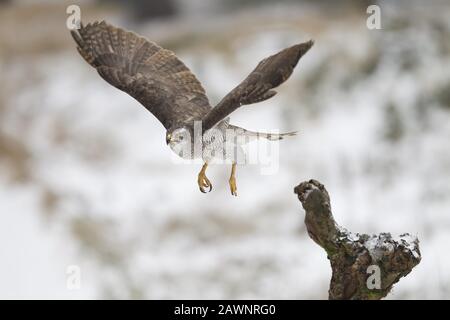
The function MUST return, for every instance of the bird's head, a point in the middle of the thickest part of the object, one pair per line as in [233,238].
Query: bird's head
[177,136]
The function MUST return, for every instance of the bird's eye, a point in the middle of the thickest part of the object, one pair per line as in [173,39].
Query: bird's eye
[181,138]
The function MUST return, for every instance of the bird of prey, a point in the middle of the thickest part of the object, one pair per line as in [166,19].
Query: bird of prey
[163,84]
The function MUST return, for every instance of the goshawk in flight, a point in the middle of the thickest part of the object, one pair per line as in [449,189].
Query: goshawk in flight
[167,88]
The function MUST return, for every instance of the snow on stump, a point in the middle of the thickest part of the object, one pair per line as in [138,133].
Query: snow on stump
[364,266]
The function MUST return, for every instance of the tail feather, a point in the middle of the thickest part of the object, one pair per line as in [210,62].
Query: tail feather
[279,136]
[264,135]
[273,136]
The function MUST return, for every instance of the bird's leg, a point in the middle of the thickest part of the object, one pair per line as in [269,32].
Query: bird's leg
[203,181]
[232,180]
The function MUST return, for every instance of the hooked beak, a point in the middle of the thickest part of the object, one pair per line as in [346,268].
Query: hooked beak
[168,138]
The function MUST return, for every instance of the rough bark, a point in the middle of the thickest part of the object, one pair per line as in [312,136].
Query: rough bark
[358,261]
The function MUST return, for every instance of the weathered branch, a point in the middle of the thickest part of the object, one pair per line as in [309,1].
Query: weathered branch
[363,266]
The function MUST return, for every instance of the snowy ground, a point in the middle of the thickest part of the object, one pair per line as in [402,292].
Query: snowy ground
[86,178]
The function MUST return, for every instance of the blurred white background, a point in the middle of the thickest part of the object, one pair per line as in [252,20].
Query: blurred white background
[86,178]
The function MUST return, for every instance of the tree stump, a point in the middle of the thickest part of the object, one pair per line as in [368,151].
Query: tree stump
[364,267]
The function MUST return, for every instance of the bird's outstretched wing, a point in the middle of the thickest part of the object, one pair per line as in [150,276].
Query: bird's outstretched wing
[152,75]
[268,74]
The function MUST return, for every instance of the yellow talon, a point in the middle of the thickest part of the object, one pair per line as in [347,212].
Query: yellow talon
[203,181]
[232,180]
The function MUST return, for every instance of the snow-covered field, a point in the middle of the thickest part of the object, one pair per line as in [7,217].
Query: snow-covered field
[86,178]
